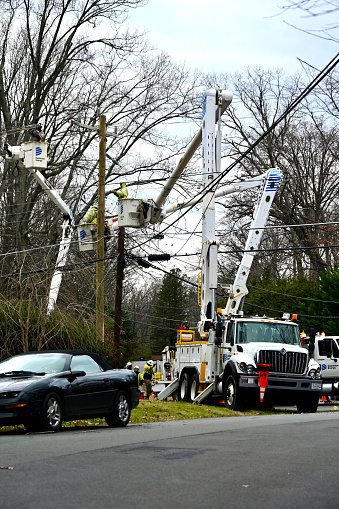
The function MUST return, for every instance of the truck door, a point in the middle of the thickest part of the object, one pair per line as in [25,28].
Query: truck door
[328,357]
[229,341]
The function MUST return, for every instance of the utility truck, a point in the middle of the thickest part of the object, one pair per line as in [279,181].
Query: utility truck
[325,350]
[240,359]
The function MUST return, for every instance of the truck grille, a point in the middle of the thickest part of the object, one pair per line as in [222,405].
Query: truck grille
[287,362]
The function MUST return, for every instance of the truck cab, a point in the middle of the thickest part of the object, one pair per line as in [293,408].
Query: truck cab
[254,346]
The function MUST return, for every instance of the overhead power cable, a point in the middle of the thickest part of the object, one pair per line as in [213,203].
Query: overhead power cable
[280,312]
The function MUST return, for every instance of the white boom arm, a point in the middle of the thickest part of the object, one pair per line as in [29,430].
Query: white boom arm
[222,99]
[260,215]
[32,156]
[232,188]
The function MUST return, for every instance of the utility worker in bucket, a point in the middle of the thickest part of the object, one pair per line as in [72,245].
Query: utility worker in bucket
[122,192]
[91,217]
[147,376]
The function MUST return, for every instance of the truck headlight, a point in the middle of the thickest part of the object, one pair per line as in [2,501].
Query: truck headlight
[250,369]
[242,366]
[314,373]
[246,368]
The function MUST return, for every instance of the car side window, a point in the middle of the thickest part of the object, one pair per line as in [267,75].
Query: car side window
[84,363]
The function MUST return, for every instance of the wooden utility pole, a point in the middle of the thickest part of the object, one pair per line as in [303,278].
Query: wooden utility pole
[118,296]
[100,268]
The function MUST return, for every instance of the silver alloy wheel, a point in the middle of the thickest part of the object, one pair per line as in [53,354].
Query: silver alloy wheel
[53,415]
[123,408]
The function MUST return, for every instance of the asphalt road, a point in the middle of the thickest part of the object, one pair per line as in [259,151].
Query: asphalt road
[287,461]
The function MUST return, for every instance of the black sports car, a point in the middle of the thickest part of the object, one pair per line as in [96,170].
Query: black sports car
[42,389]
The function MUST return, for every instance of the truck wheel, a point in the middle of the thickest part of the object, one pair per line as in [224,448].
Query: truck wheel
[183,388]
[308,402]
[193,388]
[232,394]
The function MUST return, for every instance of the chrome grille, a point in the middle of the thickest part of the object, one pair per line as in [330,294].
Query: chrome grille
[288,362]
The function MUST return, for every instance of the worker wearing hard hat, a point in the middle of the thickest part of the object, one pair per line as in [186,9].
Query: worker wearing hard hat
[122,192]
[91,217]
[129,365]
[139,375]
[147,376]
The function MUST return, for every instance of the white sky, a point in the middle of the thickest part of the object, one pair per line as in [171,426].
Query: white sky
[228,35]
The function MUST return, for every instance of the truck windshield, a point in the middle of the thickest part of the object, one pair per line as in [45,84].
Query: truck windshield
[268,332]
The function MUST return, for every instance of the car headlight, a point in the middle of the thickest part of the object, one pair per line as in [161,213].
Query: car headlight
[8,395]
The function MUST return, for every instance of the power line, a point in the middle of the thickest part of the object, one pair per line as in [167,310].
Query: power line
[280,312]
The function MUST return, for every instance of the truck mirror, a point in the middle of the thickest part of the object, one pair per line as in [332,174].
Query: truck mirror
[218,334]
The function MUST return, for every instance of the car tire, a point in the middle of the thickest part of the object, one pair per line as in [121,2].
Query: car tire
[232,394]
[51,418]
[121,411]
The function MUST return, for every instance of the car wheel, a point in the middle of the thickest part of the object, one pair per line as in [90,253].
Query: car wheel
[308,402]
[51,419]
[183,388]
[193,388]
[121,411]
[232,394]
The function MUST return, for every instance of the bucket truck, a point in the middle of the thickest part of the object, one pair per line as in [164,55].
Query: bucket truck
[240,359]
[32,156]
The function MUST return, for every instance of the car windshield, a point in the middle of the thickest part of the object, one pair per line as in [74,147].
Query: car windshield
[268,332]
[35,363]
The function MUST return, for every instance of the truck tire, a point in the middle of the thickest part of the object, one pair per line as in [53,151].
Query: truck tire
[307,402]
[193,388]
[183,388]
[233,399]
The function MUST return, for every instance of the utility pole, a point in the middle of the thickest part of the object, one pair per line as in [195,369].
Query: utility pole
[118,296]
[100,268]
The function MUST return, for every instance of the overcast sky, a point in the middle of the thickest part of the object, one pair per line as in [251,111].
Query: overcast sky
[227,35]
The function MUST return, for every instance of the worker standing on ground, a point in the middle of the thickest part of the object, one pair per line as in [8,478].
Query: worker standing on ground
[129,365]
[139,375]
[122,192]
[147,376]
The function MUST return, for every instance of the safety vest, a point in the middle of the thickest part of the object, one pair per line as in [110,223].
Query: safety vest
[122,193]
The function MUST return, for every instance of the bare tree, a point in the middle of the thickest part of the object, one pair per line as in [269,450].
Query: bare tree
[59,60]
[322,9]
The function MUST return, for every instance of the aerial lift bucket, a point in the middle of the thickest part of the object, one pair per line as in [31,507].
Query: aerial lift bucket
[87,235]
